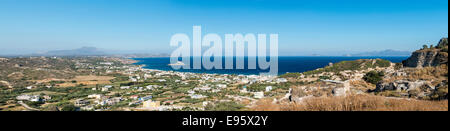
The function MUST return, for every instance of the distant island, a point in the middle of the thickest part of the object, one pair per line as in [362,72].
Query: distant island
[388,52]
[83,51]
[90,51]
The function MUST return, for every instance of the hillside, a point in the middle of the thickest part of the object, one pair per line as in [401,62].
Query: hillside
[429,56]
[370,85]
[360,64]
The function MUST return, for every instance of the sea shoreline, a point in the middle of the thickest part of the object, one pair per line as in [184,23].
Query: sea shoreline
[141,61]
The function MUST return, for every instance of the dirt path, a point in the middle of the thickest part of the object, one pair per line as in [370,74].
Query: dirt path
[28,107]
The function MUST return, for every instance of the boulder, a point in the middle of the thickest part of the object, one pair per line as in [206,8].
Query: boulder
[342,91]
[402,85]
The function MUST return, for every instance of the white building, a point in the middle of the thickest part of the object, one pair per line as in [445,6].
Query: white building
[105,89]
[221,85]
[268,88]
[87,108]
[197,96]
[258,95]
[125,87]
[23,97]
[96,96]
[282,80]
[35,98]
[106,63]
[244,90]
[81,102]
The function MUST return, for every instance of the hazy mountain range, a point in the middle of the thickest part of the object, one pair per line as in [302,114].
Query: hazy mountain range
[388,52]
[93,51]
[83,51]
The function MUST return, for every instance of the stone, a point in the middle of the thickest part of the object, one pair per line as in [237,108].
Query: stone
[428,57]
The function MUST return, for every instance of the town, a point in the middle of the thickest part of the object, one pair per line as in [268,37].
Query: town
[116,84]
[112,83]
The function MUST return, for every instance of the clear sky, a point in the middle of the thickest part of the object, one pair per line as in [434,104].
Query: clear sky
[326,27]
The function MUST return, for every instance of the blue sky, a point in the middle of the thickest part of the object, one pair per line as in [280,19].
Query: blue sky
[326,27]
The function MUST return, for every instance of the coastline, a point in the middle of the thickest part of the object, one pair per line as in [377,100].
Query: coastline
[299,67]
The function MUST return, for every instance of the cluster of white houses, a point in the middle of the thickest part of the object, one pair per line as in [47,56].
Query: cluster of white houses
[33,98]
[205,83]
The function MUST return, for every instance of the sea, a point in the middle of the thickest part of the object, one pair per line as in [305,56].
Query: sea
[286,64]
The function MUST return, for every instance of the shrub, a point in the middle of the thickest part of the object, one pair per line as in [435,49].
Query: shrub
[35,104]
[373,77]
[225,106]
[398,66]
[441,93]
[352,65]
[444,49]
[69,108]
[291,75]
[324,77]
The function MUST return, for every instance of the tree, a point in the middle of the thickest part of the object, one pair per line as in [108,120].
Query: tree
[424,47]
[324,77]
[398,66]
[224,106]
[69,108]
[51,108]
[445,49]
[373,77]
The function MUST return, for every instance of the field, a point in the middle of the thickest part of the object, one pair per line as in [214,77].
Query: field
[354,103]
[45,92]
[87,80]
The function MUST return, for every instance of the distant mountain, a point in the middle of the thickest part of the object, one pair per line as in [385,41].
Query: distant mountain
[382,53]
[93,51]
[84,51]
[141,55]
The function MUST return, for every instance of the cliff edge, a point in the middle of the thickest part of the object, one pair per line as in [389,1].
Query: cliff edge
[429,56]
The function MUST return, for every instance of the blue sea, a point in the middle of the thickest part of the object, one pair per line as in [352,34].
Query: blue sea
[286,64]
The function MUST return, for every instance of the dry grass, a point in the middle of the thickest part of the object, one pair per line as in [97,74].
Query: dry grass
[47,80]
[15,108]
[45,92]
[88,80]
[354,103]
[437,73]
[361,85]
[429,73]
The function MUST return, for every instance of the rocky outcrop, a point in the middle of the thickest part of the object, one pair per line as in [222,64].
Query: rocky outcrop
[3,59]
[402,85]
[416,89]
[340,91]
[442,43]
[429,57]
[426,58]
